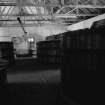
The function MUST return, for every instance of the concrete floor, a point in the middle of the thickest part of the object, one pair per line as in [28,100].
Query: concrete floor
[33,88]
[30,83]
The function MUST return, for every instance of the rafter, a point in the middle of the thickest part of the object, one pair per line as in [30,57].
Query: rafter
[48,10]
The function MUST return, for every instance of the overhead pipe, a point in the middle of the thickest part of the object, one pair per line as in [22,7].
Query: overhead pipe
[18,18]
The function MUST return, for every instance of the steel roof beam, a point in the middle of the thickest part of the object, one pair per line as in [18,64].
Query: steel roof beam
[51,5]
[37,5]
[49,16]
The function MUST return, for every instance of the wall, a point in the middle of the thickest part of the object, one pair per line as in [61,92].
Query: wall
[40,31]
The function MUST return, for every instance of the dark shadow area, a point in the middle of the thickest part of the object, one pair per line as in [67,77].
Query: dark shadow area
[30,83]
[29,94]
[31,65]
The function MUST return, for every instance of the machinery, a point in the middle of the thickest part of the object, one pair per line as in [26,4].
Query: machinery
[23,45]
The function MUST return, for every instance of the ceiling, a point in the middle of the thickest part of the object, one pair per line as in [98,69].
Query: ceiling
[38,12]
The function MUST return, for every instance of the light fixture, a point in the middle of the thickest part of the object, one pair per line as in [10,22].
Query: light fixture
[30,39]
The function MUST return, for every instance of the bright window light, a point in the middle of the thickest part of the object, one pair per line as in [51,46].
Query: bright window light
[30,39]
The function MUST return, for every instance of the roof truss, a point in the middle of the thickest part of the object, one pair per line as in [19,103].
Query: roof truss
[49,11]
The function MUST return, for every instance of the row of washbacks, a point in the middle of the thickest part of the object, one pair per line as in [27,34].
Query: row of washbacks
[82,73]
[49,51]
[92,38]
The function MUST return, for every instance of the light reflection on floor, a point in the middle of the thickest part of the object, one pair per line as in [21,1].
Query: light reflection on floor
[32,87]
[37,77]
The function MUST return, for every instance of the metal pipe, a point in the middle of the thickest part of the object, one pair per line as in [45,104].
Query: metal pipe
[18,18]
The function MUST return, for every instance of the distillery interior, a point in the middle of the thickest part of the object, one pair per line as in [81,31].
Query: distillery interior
[52,52]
